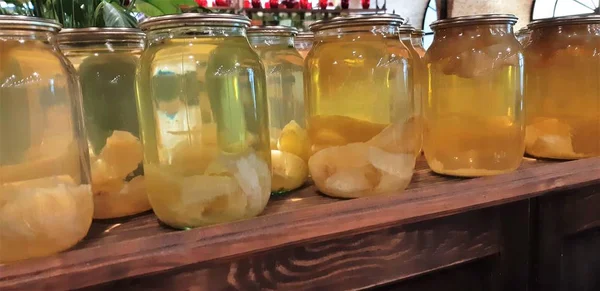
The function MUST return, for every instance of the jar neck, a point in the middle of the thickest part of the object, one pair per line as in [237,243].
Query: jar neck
[476,30]
[104,46]
[271,41]
[405,36]
[572,30]
[385,31]
[195,32]
[44,36]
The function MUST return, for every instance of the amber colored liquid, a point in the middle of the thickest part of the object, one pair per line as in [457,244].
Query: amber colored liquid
[360,77]
[563,93]
[44,208]
[474,110]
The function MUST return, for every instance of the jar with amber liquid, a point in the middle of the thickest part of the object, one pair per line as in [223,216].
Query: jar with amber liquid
[419,76]
[285,93]
[106,60]
[304,42]
[417,41]
[45,198]
[562,88]
[474,119]
[524,36]
[202,104]
[361,121]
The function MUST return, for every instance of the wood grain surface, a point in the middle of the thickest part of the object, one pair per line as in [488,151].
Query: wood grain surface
[139,246]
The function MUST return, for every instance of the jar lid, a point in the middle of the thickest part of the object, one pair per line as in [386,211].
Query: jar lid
[195,19]
[358,20]
[10,22]
[272,30]
[97,34]
[565,20]
[418,32]
[406,28]
[305,35]
[475,19]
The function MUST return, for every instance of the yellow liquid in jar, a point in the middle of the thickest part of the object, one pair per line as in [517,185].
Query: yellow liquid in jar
[473,120]
[204,122]
[44,208]
[563,103]
[361,115]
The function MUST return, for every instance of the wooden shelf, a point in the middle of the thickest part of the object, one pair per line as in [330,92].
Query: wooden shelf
[305,240]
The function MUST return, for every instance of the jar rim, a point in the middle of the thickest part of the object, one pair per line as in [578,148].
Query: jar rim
[305,35]
[100,34]
[418,32]
[565,20]
[195,19]
[15,22]
[406,28]
[358,20]
[475,19]
[278,30]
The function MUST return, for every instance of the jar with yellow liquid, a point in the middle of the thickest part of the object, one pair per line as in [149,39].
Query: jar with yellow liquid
[285,93]
[419,76]
[202,104]
[304,42]
[562,88]
[106,60]
[362,125]
[45,198]
[474,119]
[417,41]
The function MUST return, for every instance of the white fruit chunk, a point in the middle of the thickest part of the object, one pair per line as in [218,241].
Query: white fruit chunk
[123,152]
[130,199]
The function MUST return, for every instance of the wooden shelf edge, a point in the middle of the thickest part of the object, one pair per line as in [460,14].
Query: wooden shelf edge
[163,252]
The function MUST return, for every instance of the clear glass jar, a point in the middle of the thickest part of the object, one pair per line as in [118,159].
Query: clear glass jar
[304,42]
[563,88]
[361,121]
[419,78]
[45,198]
[417,42]
[106,60]
[202,104]
[285,91]
[524,36]
[474,119]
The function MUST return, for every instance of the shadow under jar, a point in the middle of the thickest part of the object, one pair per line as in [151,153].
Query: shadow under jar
[285,93]
[361,121]
[562,87]
[474,119]
[201,95]
[106,60]
[45,198]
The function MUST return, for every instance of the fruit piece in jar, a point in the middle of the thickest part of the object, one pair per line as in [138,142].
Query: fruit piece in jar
[43,216]
[294,140]
[399,137]
[130,199]
[289,171]
[336,130]
[357,170]
[193,158]
[123,152]
[548,137]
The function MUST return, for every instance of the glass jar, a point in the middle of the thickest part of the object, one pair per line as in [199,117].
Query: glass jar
[524,36]
[419,77]
[417,42]
[285,91]
[361,122]
[474,119]
[106,60]
[45,198]
[304,42]
[563,88]
[202,104]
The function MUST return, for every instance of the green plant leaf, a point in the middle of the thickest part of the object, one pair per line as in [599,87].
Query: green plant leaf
[147,8]
[112,14]
[171,6]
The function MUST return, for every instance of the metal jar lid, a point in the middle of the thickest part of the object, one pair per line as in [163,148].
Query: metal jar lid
[565,20]
[418,32]
[358,20]
[13,22]
[475,19]
[195,19]
[96,34]
[272,30]
[305,35]
[406,29]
